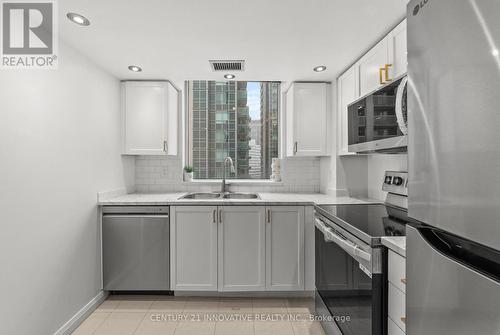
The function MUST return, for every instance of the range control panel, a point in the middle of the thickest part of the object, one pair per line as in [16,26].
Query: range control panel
[396,182]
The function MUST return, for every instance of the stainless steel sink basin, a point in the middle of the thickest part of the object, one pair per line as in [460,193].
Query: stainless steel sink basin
[240,196]
[221,196]
[201,196]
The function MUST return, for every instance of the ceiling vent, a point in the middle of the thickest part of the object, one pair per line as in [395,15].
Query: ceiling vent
[227,65]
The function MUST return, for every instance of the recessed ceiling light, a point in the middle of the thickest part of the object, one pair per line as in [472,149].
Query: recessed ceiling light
[229,76]
[495,52]
[135,68]
[320,68]
[78,19]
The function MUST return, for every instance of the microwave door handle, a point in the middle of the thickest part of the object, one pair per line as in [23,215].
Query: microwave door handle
[399,106]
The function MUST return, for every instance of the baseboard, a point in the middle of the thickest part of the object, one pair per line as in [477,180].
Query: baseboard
[263,294]
[82,314]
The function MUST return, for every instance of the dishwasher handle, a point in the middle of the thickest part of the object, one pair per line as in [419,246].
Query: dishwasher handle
[131,216]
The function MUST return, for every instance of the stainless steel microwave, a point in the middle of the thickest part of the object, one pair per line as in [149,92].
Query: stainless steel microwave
[378,121]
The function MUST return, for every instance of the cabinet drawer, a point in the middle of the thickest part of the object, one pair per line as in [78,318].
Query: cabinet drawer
[393,329]
[396,309]
[397,270]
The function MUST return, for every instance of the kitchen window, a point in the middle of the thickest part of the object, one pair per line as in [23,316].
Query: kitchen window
[237,119]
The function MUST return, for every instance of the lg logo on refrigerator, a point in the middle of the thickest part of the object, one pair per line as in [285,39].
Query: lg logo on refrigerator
[29,34]
[419,6]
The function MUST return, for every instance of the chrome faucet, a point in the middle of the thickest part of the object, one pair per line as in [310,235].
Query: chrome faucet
[226,161]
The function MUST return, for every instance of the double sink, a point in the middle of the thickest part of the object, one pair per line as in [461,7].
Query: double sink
[228,195]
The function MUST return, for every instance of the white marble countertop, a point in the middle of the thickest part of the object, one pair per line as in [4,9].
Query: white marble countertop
[265,198]
[396,244]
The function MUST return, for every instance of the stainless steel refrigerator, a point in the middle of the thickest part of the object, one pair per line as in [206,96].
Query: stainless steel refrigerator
[453,264]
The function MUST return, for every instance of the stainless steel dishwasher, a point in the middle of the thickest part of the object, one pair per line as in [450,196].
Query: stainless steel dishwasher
[135,247]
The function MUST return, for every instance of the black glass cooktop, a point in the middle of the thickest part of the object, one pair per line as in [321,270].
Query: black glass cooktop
[375,220]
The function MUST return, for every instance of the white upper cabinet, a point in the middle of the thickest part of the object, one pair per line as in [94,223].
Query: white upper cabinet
[150,118]
[383,63]
[306,119]
[372,67]
[398,56]
[348,91]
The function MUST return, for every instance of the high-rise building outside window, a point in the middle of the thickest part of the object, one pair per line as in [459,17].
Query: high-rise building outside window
[236,119]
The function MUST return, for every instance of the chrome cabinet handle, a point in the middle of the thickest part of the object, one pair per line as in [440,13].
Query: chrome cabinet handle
[215,216]
[268,216]
[165,146]
[220,215]
[295,146]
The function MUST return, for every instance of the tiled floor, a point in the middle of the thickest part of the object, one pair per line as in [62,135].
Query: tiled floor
[167,315]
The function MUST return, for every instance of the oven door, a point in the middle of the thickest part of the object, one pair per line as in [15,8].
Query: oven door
[350,299]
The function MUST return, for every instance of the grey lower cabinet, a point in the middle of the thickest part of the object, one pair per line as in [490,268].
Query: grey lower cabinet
[193,244]
[237,248]
[285,248]
[242,242]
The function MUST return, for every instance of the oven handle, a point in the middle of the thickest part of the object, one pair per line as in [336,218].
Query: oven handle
[350,247]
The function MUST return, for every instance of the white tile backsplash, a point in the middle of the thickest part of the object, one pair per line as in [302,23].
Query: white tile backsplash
[155,174]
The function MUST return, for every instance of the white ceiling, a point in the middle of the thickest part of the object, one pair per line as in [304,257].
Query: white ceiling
[279,39]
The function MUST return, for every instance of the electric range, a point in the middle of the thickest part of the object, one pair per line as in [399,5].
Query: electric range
[368,222]
[351,263]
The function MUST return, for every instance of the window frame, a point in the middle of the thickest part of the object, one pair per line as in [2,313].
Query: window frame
[188,131]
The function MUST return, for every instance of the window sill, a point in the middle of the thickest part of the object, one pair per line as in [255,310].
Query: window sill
[236,182]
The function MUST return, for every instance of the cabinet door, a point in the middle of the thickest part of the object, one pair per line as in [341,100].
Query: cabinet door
[348,92]
[242,248]
[149,118]
[289,121]
[370,65]
[193,242]
[398,51]
[285,248]
[310,119]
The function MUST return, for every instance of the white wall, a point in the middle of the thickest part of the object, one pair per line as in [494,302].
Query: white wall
[377,165]
[328,165]
[59,146]
[361,176]
[352,176]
